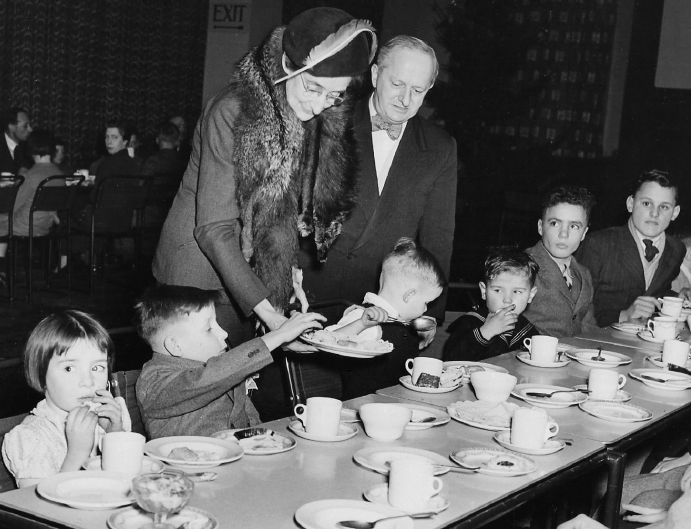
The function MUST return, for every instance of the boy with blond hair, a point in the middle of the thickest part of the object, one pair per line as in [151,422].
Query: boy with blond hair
[195,384]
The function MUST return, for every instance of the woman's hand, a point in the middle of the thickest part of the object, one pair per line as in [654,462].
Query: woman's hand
[109,412]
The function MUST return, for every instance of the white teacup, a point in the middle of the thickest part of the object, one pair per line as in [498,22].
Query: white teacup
[531,428]
[663,327]
[671,306]
[491,386]
[675,352]
[385,421]
[603,384]
[412,484]
[542,348]
[123,452]
[423,364]
[320,416]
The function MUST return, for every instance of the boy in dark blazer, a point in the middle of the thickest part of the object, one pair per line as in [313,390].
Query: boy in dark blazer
[563,305]
[634,264]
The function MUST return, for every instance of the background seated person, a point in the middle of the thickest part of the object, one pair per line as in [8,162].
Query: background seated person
[14,156]
[563,305]
[118,160]
[167,160]
[683,280]
[59,157]
[634,264]
[499,327]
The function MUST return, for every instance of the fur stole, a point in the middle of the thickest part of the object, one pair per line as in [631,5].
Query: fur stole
[293,177]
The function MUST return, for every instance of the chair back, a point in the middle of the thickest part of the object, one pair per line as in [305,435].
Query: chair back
[9,186]
[53,194]
[127,381]
[6,424]
[122,192]
[163,190]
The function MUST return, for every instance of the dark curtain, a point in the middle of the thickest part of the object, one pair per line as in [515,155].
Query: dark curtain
[75,64]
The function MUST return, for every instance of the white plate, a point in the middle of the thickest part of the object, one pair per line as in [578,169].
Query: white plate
[465,363]
[345,431]
[470,421]
[616,411]
[629,328]
[657,361]
[377,459]
[407,382]
[91,490]
[343,350]
[550,447]
[224,451]
[611,359]
[422,412]
[250,439]
[647,336]
[134,518]
[349,415]
[380,494]
[524,356]
[559,400]
[480,456]
[621,396]
[149,464]
[674,381]
[324,514]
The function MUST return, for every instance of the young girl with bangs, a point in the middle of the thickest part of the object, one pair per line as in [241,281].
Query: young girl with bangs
[67,358]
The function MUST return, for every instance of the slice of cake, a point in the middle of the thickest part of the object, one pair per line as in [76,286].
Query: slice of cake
[425,380]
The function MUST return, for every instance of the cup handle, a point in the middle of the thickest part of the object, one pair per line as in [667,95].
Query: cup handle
[300,410]
[409,366]
[651,327]
[527,343]
[437,485]
[552,429]
[622,380]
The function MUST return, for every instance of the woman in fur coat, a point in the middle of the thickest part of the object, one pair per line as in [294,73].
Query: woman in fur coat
[272,157]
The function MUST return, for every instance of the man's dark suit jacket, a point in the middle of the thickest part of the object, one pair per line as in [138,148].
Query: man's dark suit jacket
[612,257]
[21,156]
[418,201]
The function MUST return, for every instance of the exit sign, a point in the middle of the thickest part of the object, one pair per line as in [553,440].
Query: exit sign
[230,16]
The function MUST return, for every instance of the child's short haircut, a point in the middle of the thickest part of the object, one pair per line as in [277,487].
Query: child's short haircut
[576,196]
[662,178]
[412,260]
[512,261]
[41,143]
[164,304]
[54,335]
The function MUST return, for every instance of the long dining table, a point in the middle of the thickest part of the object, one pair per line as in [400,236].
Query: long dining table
[266,491]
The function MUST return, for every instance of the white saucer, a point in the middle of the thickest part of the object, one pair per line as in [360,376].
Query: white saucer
[482,457]
[611,359]
[657,361]
[408,383]
[423,412]
[616,411]
[551,446]
[628,327]
[149,464]
[345,431]
[674,381]
[134,518]
[379,494]
[378,459]
[559,400]
[648,337]
[324,514]
[621,396]
[524,356]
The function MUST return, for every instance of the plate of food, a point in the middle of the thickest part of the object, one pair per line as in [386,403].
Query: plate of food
[188,518]
[546,396]
[495,461]
[346,345]
[149,464]
[325,514]
[524,356]
[90,490]
[611,359]
[258,441]
[484,415]
[378,458]
[408,384]
[465,368]
[193,452]
[616,411]
[629,327]
[657,361]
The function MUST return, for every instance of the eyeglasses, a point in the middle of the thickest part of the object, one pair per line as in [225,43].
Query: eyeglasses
[333,98]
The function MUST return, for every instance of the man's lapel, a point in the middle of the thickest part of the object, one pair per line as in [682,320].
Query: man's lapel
[630,258]
[368,187]
[663,269]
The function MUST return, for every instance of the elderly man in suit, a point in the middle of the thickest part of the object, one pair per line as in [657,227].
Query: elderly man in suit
[634,264]
[14,156]
[563,305]
[406,181]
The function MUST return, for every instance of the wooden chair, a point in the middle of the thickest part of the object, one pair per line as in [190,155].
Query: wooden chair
[126,381]
[53,194]
[9,186]
[6,424]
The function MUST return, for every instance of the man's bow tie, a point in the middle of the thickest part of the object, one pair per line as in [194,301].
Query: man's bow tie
[392,129]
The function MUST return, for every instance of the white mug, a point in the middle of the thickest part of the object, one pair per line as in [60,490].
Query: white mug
[671,306]
[531,428]
[542,348]
[675,352]
[423,364]
[320,416]
[603,384]
[412,484]
[122,452]
[663,327]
